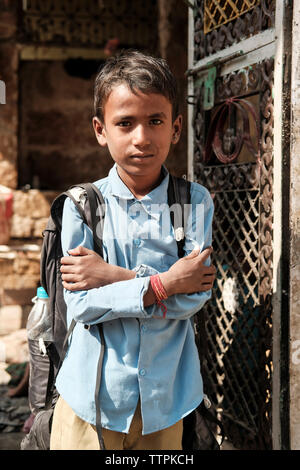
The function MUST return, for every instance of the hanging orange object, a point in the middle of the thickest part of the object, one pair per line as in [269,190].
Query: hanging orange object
[6,211]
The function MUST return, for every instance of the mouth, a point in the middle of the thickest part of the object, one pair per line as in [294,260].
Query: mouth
[141,156]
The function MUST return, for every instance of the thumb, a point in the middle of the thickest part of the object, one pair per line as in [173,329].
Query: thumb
[193,253]
[205,253]
[79,251]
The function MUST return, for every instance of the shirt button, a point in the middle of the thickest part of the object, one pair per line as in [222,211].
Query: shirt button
[136,242]
[142,372]
[142,271]
[143,328]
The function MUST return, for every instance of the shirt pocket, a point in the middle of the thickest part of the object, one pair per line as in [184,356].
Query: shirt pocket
[167,261]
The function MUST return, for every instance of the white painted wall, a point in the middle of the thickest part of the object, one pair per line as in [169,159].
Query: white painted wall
[295,236]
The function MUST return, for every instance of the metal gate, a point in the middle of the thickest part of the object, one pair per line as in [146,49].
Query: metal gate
[232,119]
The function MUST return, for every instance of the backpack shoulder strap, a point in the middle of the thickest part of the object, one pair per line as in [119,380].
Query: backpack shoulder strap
[57,206]
[90,205]
[179,193]
[179,196]
[95,213]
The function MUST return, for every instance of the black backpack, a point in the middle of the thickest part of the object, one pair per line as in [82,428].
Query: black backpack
[42,393]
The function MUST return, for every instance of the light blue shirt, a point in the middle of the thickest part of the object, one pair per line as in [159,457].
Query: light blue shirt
[146,356]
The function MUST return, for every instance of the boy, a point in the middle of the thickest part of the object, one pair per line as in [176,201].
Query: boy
[151,373]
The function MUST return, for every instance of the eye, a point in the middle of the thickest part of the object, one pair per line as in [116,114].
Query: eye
[124,123]
[156,122]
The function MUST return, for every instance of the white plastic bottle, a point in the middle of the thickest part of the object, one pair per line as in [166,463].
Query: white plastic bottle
[39,334]
[39,324]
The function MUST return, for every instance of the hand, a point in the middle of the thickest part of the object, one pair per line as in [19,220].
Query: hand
[189,274]
[85,270]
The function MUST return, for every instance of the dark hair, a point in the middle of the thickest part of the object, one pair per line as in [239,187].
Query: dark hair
[140,72]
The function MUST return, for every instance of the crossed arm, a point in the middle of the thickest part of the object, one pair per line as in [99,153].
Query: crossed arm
[187,282]
[84,269]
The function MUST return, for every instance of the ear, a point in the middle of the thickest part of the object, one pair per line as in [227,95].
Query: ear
[176,129]
[99,131]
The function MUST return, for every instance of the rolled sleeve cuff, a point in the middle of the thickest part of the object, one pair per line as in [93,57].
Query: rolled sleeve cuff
[123,299]
[132,299]
[143,270]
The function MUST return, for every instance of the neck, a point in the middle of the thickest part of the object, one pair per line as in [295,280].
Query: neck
[140,185]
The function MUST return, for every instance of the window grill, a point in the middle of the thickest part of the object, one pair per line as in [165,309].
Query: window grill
[222,23]
[217,13]
[237,371]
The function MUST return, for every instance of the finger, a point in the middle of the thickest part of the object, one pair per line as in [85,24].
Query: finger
[193,253]
[208,279]
[208,276]
[68,268]
[72,286]
[79,251]
[210,270]
[70,278]
[68,260]
[206,270]
[205,287]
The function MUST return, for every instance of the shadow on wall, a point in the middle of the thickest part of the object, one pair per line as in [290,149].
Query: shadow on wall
[56,125]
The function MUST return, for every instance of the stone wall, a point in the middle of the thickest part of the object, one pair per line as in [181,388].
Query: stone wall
[19,268]
[20,260]
[9,111]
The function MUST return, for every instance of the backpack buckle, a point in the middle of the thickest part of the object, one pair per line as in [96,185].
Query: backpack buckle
[179,234]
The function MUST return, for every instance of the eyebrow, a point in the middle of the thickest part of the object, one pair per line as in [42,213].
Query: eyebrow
[157,115]
[150,116]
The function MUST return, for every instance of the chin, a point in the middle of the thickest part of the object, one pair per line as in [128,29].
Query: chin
[140,167]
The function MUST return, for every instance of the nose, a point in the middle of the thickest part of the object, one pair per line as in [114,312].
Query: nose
[140,136]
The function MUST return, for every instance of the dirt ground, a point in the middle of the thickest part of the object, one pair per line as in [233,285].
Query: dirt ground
[11,440]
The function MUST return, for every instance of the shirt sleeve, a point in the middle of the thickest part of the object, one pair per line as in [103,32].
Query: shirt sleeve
[100,304]
[198,234]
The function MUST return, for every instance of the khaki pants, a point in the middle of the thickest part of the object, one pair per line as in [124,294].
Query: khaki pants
[69,432]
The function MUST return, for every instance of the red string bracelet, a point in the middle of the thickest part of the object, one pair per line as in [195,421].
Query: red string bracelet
[159,292]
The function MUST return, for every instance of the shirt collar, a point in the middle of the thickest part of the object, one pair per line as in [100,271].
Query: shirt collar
[157,196]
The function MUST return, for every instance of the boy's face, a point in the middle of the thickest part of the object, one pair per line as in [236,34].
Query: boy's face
[138,130]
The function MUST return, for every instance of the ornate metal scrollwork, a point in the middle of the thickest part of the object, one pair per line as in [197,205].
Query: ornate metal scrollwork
[89,23]
[226,142]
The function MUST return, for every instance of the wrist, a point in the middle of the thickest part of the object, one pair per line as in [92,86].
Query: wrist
[120,274]
[169,283]
[159,292]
